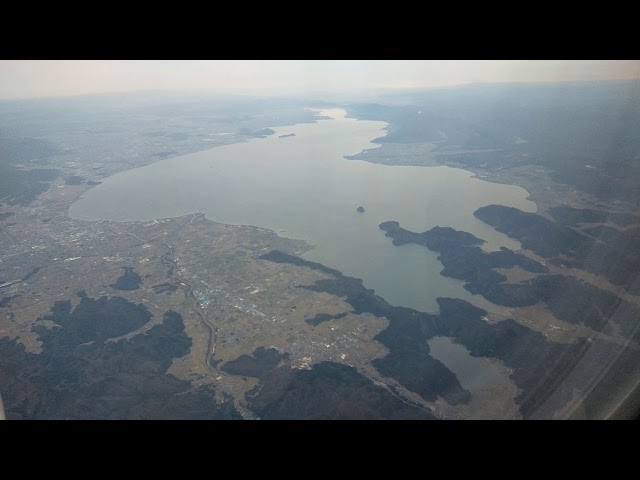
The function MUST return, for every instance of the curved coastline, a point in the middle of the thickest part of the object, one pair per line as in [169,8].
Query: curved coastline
[303,188]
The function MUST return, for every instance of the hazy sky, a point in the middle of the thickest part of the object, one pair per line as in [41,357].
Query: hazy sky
[41,78]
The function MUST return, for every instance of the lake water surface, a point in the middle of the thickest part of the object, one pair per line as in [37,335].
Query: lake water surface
[473,373]
[302,187]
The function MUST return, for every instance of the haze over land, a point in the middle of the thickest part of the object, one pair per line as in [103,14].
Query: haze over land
[191,254]
[356,78]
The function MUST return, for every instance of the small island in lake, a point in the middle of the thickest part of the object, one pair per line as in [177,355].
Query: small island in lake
[265,132]
[360,209]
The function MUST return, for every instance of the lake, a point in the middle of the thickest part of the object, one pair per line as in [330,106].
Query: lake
[302,187]
[474,373]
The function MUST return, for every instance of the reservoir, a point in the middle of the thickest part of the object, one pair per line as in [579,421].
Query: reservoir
[302,187]
[473,373]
